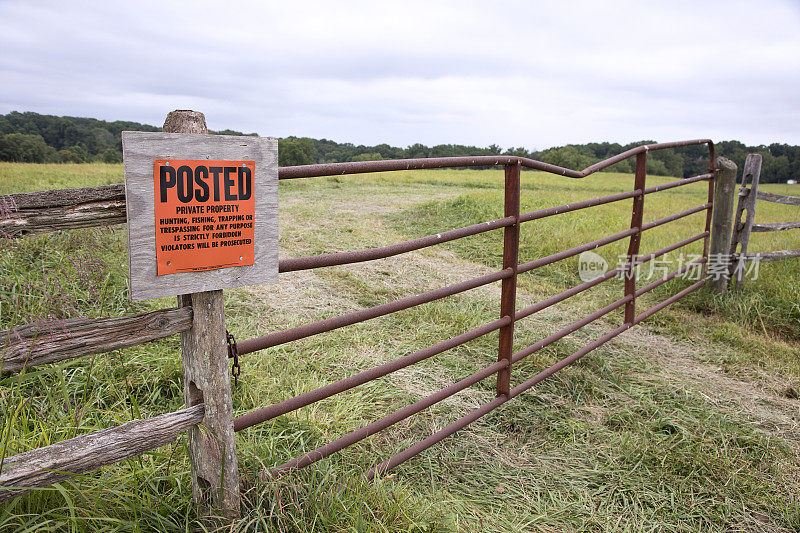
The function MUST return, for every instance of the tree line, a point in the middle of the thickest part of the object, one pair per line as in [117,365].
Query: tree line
[31,137]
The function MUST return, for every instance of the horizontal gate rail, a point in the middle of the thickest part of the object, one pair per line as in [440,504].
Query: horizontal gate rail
[560,297]
[543,261]
[503,365]
[679,183]
[676,216]
[519,389]
[345,258]
[671,276]
[385,422]
[262,415]
[572,328]
[671,248]
[301,332]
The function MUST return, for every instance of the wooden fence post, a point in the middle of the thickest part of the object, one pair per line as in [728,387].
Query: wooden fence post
[742,229]
[721,223]
[206,379]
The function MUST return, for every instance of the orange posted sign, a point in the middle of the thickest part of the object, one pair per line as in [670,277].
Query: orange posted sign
[203,214]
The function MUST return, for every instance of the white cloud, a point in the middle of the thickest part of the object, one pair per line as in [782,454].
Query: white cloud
[514,73]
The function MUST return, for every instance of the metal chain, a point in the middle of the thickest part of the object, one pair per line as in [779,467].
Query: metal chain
[233,352]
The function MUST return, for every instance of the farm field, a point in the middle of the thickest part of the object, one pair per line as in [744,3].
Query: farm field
[687,422]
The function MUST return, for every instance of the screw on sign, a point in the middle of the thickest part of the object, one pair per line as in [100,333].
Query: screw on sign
[204,214]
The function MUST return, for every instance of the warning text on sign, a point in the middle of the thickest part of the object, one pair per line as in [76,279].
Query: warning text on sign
[203,214]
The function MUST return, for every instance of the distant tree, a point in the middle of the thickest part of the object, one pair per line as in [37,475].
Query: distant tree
[368,157]
[25,148]
[417,150]
[295,151]
[110,155]
[66,156]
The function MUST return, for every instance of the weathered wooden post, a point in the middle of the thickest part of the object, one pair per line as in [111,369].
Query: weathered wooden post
[742,228]
[722,223]
[206,379]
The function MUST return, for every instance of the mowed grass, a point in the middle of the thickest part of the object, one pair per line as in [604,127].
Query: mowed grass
[654,431]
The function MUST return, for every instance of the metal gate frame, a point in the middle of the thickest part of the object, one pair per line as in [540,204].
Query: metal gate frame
[511,222]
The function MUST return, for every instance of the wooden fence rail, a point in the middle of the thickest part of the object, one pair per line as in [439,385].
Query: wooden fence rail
[778,198]
[740,239]
[55,463]
[46,211]
[53,341]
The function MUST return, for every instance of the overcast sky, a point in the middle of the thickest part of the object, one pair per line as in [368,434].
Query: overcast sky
[532,74]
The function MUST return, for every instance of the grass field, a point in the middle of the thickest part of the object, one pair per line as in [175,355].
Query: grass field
[688,422]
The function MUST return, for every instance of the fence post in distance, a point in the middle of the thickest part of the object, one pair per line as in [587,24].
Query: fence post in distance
[742,229]
[721,223]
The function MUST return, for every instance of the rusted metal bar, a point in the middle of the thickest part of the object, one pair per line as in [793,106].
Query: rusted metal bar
[536,263]
[671,299]
[437,437]
[658,253]
[566,208]
[361,167]
[636,238]
[461,423]
[544,374]
[672,275]
[638,150]
[344,258]
[508,290]
[262,415]
[307,330]
[544,304]
[575,326]
[676,216]
[379,425]
[671,184]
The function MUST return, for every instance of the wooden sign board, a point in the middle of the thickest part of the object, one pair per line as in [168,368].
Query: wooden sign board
[202,212]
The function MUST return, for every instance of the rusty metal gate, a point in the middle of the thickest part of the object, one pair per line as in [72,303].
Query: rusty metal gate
[510,223]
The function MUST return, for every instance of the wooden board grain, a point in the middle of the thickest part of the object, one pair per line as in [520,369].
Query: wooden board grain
[776,226]
[60,461]
[778,198]
[746,207]
[52,341]
[772,256]
[140,150]
[59,209]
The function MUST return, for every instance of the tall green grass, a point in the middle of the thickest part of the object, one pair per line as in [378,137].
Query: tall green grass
[617,442]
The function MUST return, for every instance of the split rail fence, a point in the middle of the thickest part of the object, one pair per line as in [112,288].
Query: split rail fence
[742,229]
[37,344]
